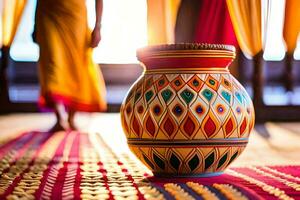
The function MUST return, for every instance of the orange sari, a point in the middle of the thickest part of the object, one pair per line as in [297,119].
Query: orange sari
[66,70]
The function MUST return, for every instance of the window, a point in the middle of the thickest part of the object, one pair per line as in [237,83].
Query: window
[274,46]
[124,29]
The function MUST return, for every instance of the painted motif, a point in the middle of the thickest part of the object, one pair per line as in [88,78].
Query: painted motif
[187,120]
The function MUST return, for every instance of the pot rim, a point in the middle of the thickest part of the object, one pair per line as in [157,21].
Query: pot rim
[185,46]
[186,55]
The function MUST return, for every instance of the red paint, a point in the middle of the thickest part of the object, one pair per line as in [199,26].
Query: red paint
[186,62]
[169,126]
[243,126]
[210,127]
[136,126]
[150,127]
[189,126]
[229,127]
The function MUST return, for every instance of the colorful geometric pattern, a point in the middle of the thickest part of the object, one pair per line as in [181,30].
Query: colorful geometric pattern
[73,165]
[190,160]
[196,106]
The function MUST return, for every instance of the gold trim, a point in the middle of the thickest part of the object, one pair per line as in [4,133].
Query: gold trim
[187,50]
[187,46]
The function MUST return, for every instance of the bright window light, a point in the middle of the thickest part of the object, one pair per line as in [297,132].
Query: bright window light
[274,46]
[124,29]
[23,48]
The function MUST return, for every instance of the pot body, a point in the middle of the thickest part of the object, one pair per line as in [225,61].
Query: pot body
[187,121]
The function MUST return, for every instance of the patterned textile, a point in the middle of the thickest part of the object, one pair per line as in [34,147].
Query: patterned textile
[73,165]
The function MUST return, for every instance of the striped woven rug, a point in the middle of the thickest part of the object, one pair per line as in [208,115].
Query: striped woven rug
[74,165]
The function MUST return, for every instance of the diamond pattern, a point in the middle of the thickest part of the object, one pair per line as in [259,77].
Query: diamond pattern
[191,160]
[136,127]
[195,83]
[214,101]
[161,83]
[178,110]
[177,83]
[187,95]
[149,163]
[212,82]
[159,161]
[175,106]
[189,126]
[210,125]
[149,95]
[169,126]
[166,95]
[209,160]
[150,126]
[233,157]
[194,162]
[175,161]
[222,160]
[226,82]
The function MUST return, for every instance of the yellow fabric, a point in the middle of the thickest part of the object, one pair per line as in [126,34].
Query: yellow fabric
[162,16]
[11,14]
[65,63]
[246,20]
[292,24]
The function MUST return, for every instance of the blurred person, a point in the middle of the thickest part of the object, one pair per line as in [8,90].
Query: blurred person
[67,74]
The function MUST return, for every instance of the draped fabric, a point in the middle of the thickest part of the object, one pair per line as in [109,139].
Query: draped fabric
[67,72]
[214,23]
[246,20]
[292,24]
[162,16]
[11,11]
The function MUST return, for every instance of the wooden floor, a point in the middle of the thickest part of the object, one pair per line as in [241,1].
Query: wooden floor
[270,144]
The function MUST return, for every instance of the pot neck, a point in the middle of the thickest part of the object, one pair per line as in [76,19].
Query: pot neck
[177,57]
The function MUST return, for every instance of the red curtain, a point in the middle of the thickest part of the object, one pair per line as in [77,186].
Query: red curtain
[214,23]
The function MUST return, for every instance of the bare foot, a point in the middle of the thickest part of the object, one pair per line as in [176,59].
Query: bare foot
[72,125]
[57,127]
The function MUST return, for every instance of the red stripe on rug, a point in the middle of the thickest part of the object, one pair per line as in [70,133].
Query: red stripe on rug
[270,181]
[33,144]
[51,164]
[79,143]
[17,143]
[292,170]
[57,191]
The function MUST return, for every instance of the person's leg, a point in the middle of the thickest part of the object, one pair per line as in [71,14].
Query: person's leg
[57,126]
[71,116]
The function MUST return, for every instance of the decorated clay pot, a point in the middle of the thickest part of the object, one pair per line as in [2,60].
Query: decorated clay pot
[187,115]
